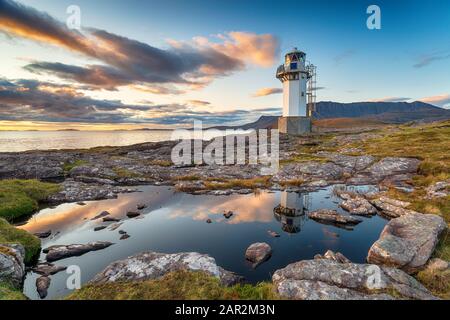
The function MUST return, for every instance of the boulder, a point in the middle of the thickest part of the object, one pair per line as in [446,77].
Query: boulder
[12,267]
[333,217]
[325,279]
[258,252]
[334,256]
[153,265]
[392,208]
[59,252]
[358,206]
[42,285]
[407,242]
[439,190]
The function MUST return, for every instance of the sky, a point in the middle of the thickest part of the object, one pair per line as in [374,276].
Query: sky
[162,64]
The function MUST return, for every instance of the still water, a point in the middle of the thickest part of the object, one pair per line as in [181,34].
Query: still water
[176,222]
[17,141]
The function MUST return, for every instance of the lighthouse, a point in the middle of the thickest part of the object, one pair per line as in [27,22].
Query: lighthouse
[298,97]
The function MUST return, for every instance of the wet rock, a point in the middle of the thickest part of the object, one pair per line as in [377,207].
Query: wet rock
[43,235]
[153,265]
[228,214]
[122,232]
[273,234]
[133,214]
[115,226]
[325,279]
[48,269]
[124,236]
[101,215]
[334,256]
[141,206]
[358,206]
[208,221]
[99,228]
[332,216]
[12,267]
[59,252]
[407,242]
[42,285]
[391,207]
[439,190]
[81,203]
[258,252]
[110,219]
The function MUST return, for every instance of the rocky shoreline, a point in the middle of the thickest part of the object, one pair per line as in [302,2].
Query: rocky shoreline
[405,245]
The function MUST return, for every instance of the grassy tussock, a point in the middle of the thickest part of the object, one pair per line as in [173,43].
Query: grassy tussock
[255,183]
[180,285]
[20,197]
[10,234]
[7,292]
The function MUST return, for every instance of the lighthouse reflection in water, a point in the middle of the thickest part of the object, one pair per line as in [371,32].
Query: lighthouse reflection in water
[291,212]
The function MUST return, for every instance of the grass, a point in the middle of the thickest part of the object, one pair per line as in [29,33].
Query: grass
[254,183]
[292,183]
[10,234]
[7,292]
[125,173]
[187,178]
[70,165]
[161,163]
[179,285]
[21,197]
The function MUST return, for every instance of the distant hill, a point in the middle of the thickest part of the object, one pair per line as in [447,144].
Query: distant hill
[370,112]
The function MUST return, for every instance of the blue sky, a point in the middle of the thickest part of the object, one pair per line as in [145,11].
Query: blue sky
[408,59]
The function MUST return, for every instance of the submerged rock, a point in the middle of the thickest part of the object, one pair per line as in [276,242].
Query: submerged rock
[273,234]
[42,285]
[133,214]
[332,216]
[325,279]
[99,228]
[258,252]
[228,214]
[153,265]
[101,215]
[12,267]
[43,235]
[59,252]
[407,242]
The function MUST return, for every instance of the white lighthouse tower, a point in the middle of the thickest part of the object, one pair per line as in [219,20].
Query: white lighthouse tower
[295,74]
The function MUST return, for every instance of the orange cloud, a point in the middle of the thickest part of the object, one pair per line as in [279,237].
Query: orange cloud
[267,91]
[439,100]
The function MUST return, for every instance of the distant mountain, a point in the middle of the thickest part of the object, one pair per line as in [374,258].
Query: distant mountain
[389,112]
[383,112]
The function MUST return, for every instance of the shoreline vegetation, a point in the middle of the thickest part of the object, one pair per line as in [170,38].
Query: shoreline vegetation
[429,143]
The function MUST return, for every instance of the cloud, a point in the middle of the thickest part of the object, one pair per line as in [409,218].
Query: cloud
[267,91]
[428,59]
[32,100]
[390,99]
[198,102]
[124,61]
[442,100]
[342,57]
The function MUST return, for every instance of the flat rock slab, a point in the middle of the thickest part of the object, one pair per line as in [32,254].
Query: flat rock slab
[332,216]
[392,166]
[328,279]
[12,267]
[407,242]
[153,265]
[65,251]
[258,252]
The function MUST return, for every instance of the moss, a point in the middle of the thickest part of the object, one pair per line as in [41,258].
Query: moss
[7,292]
[10,234]
[292,183]
[180,285]
[21,197]
[161,163]
[70,165]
